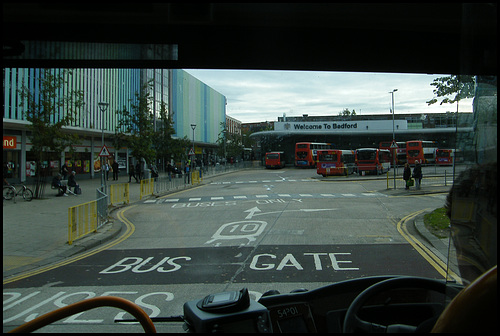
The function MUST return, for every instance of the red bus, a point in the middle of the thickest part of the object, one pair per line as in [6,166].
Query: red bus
[421,150]
[373,160]
[275,160]
[335,162]
[447,156]
[306,153]
[400,151]
[444,156]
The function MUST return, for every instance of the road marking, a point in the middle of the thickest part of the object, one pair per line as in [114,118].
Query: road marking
[251,212]
[217,198]
[427,254]
[240,197]
[130,230]
[195,199]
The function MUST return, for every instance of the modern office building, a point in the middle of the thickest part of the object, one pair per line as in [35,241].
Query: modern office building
[191,102]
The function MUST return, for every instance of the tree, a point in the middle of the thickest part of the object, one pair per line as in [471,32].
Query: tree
[48,113]
[135,128]
[166,147]
[459,87]
[346,113]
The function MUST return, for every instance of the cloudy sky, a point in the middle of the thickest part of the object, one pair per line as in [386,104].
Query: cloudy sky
[254,96]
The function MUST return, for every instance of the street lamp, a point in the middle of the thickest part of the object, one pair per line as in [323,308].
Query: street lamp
[102,107]
[193,126]
[393,138]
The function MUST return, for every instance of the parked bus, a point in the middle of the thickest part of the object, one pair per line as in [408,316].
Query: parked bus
[306,153]
[335,162]
[373,160]
[447,156]
[423,151]
[275,160]
[400,151]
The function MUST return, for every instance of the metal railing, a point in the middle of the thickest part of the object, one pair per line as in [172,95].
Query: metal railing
[87,217]
[119,193]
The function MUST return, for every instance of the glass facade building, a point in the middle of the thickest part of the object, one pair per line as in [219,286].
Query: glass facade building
[191,101]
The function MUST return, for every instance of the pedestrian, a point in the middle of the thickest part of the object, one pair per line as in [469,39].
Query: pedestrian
[115,168]
[138,172]
[64,171]
[72,182]
[417,174]
[56,184]
[407,175]
[169,171]
[131,172]
[106,170]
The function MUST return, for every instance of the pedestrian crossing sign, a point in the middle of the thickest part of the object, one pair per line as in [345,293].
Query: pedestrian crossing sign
[394,144]
[104,151]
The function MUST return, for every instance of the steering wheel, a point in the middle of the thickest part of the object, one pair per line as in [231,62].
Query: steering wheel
[352,322]
[78,307]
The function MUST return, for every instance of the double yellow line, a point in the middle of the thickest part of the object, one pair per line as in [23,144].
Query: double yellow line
[424,251]
[129,231]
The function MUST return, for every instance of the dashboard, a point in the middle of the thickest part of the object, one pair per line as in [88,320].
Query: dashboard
[324,309]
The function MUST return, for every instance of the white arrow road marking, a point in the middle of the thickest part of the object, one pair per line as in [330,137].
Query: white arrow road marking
[251,212]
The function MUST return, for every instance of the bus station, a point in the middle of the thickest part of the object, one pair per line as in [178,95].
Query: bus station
[367,131]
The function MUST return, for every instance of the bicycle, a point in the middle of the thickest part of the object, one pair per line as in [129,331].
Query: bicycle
[10,192]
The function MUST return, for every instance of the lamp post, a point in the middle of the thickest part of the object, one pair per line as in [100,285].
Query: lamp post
[102,107]
[393,138]
[193,126]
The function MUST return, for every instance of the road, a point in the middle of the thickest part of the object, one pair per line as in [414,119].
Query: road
[262,229]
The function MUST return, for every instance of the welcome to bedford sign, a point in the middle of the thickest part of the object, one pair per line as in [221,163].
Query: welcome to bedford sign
[340,126]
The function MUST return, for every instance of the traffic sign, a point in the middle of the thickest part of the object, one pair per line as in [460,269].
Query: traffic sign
[191,152]
[104,151]
[394,144]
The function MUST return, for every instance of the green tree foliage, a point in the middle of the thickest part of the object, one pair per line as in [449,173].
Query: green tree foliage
[230,145]
[452,89]
[346,113]
[135,128]
[167,147]
[48,112]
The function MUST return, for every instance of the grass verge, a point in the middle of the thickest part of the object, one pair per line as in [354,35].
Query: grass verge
[438,223]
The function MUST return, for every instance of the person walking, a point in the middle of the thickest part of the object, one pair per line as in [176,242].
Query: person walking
[138,175]
[417,174]
[407,175]
[131,172]
[114,166]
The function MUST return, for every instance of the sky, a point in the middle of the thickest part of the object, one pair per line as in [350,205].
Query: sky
[258,95]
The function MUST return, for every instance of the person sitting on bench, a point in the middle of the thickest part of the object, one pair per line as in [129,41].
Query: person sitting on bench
[72,182]
[56,184]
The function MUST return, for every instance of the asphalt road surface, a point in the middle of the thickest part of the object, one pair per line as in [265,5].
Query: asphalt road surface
[262,229]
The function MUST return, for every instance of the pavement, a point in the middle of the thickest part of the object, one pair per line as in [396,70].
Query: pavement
[35,234]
